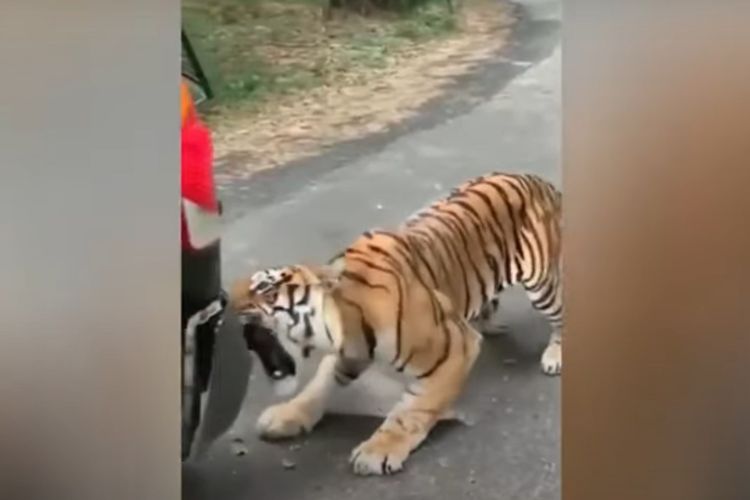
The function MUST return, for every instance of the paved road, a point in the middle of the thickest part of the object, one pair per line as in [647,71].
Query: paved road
[505,118]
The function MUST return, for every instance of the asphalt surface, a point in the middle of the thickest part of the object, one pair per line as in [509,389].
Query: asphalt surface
[507,444]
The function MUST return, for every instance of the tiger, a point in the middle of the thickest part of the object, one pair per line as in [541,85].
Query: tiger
[416,299]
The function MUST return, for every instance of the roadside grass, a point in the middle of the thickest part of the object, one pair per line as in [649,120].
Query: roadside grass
[255,50]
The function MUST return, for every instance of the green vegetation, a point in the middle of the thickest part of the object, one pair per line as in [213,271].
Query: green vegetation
[252,50]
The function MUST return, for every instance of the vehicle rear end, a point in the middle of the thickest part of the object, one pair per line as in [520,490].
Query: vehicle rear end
[201,264]
[215,360]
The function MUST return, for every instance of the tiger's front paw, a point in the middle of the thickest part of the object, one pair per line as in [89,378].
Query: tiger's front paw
[382,454]
[285,420]
[552,359]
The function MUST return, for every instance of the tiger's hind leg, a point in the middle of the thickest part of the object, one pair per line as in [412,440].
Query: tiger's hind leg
[421,406]
[546,297]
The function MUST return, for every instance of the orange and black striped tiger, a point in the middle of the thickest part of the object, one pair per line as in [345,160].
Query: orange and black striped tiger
[413,298]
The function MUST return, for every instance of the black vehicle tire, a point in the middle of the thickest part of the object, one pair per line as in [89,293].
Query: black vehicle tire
[202,364]
[201,285]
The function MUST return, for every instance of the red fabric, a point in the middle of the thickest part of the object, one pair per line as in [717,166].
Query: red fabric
[197,168]
[197,165]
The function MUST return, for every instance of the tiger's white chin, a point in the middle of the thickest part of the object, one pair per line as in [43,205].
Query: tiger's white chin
[285,386]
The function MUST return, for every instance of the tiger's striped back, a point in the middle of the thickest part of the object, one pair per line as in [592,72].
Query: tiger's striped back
[489,233]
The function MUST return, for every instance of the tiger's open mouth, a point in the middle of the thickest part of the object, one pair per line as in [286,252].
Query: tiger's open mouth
[277,363]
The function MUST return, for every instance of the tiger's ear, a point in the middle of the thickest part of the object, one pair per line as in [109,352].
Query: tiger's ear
[330,274]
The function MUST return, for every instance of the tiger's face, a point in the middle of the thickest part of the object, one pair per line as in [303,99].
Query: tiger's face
[291,301]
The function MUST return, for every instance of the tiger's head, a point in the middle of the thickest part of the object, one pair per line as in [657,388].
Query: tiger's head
[295,302]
